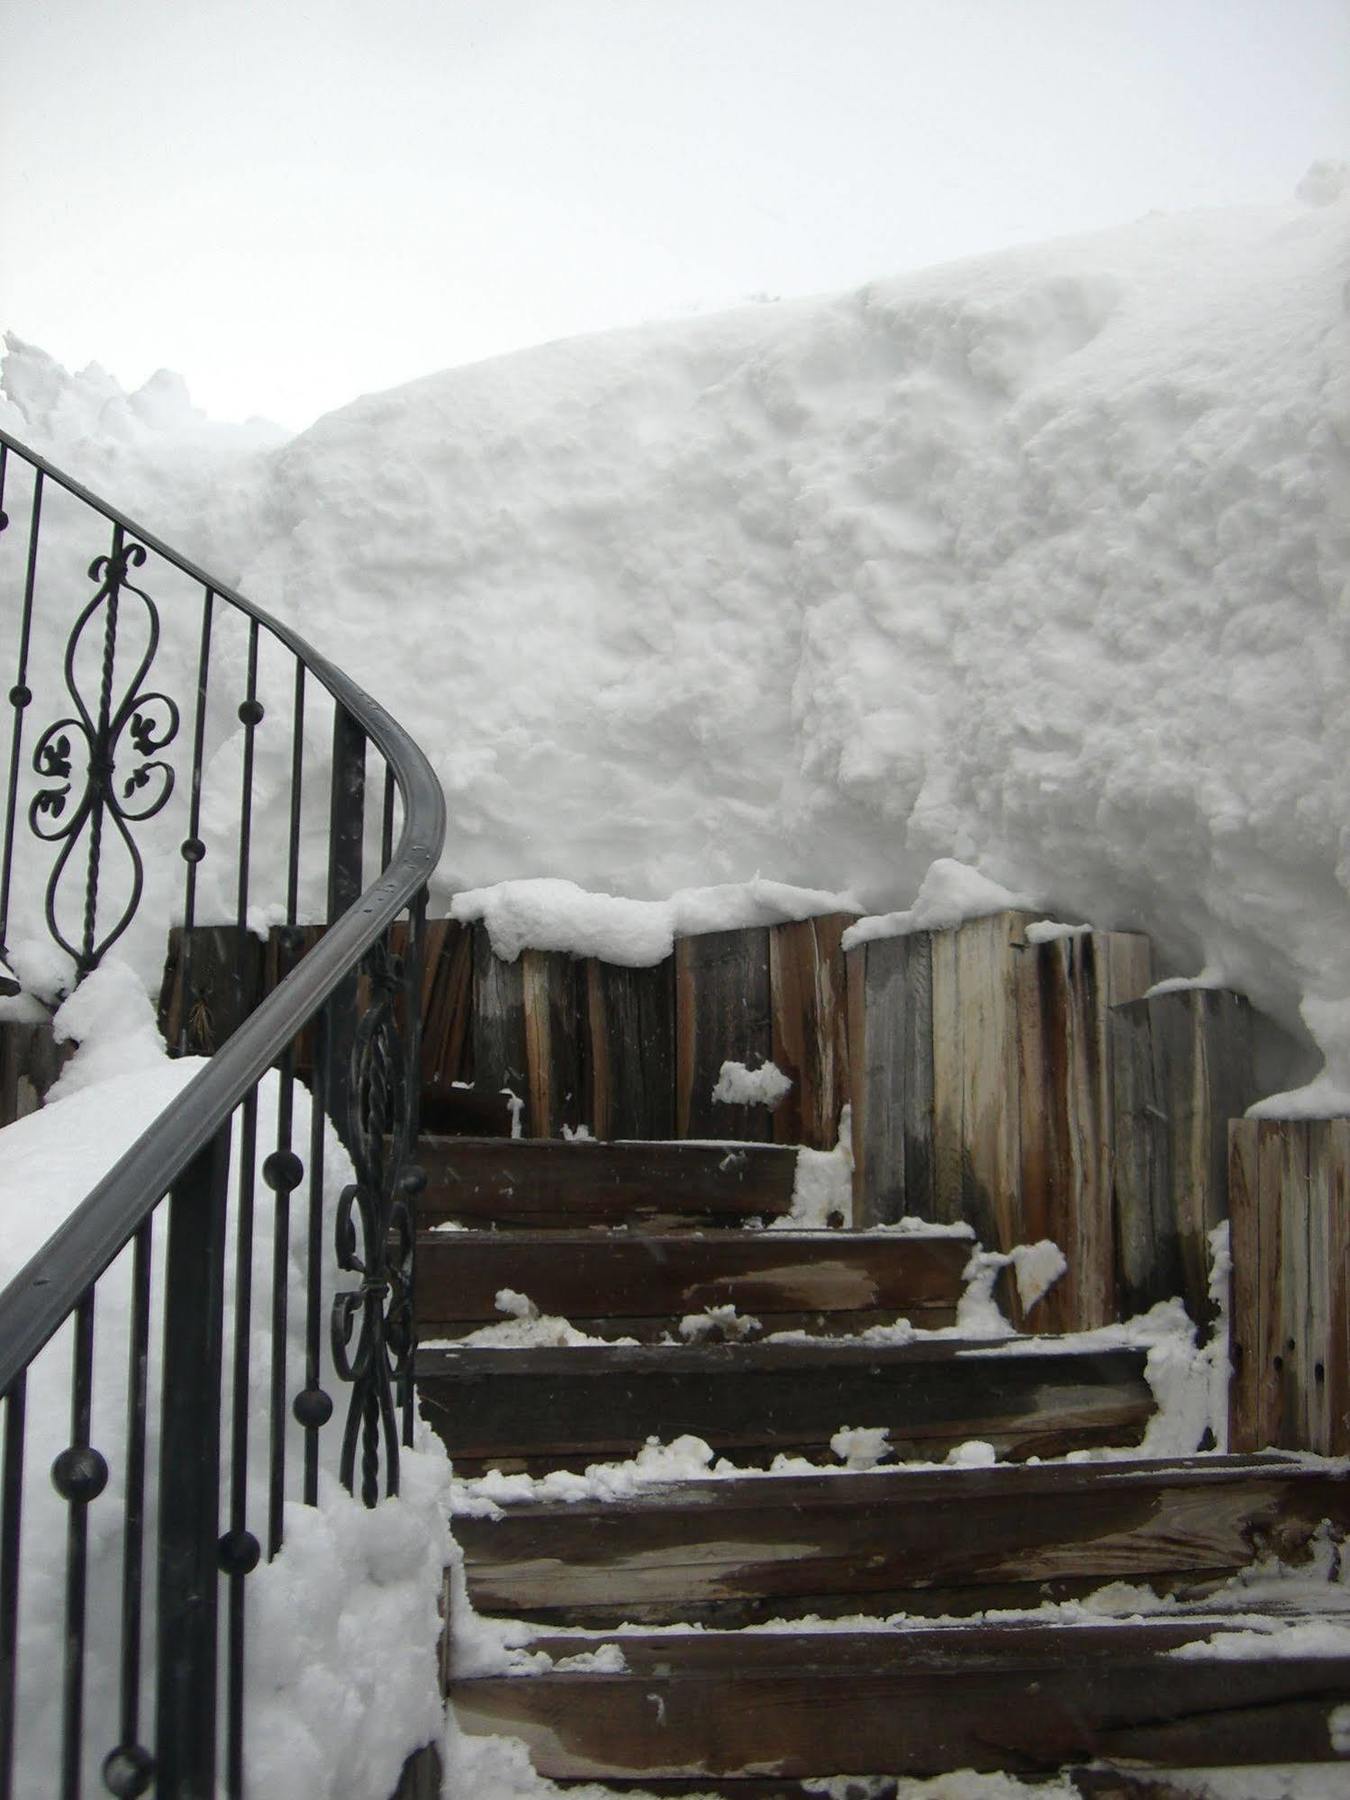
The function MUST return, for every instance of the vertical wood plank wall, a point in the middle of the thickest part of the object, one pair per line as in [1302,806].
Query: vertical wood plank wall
[1289,1345]
[1027,1089]
[1001,1112]
[1183,1068]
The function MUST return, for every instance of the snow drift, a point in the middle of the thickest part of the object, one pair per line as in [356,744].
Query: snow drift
[1038,561]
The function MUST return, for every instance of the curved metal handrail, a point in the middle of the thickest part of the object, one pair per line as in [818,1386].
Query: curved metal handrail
[359,994]
[35,1304]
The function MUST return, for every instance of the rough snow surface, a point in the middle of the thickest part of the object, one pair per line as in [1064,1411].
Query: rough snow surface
[949,894]
[1051,931]
[1036,1269]
[737,1085]
[1278,1638]
[1036,561]
[861,1446]
[549,914]
[822,1185]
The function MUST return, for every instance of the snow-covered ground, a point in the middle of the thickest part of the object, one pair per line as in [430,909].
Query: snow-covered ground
[341,1674]
[1037,561]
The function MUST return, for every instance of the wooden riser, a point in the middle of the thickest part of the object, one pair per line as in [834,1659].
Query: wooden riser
[540,1409]
[1012,1699]
[546,1185]
[733,1552]
[652,1281]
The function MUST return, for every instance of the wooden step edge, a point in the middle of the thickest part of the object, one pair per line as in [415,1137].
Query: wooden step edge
[893,1485]
[774,1281]
[747,1549]
[583,1360]
[696,1708]
[994,1645]
[677,1150]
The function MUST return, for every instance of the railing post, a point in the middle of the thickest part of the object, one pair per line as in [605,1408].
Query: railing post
[346,836]
[189,1477]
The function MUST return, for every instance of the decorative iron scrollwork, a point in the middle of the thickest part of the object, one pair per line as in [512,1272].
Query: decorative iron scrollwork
[375,1238]
[148,719]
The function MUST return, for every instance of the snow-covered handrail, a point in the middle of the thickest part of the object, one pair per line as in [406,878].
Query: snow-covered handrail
[101,787]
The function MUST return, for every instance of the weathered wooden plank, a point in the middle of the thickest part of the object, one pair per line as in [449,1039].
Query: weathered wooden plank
[446,1009]
[553,1000]
[548,1408]
[1203,1073]
[1337,1361]
[810,1028]
[1290,1247]
[1090,1245]
[723,1013]
[916,1100]
[1315,1398]
[30,1061]
[728,1551]
[1016,1700]
[1292,1287]
[630,1050]
[890,989]
[1055,1116]
[1148,1249]
[498,1029]
[1271,1222]
[948,1078]
[213,980]
[991,1114]
[549,1186]
[585,1276]
[1244,1398]
[867,1166]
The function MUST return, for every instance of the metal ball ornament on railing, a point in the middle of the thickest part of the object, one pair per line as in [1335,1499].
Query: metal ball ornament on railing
[80,1474]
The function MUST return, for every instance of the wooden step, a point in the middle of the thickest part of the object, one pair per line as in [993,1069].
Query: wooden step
[732,1552]
[562,1408]
[641,1285]
[1021,1699]
[549,1184]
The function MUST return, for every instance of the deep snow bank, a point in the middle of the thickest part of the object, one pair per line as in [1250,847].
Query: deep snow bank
[1038,561]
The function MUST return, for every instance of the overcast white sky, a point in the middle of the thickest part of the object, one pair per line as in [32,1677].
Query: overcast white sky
[295,201]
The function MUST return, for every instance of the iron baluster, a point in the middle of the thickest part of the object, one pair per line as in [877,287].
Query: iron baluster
[251,716]
[127,1771]
[20,698]
[101,774]
[374,1315]
[189,1476]
[11,1537]
[151,721]
[79,1475]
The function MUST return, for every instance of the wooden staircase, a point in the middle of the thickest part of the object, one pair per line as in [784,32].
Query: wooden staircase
[754,1631]
[749,1632]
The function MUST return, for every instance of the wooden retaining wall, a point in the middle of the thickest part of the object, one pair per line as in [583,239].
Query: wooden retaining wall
[1290,1238]
[1027,1089]
[985,1091]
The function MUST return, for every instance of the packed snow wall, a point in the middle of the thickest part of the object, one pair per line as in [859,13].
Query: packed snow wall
[1038,561]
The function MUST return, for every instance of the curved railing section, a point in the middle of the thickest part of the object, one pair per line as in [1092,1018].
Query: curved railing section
[177,753]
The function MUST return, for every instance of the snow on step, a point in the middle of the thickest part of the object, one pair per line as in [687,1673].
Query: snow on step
[549,1408]
[728,1551]
[1015,1698]
[547,1185]
[642,1284]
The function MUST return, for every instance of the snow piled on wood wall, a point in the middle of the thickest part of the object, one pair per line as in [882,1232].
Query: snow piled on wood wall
[1037,561]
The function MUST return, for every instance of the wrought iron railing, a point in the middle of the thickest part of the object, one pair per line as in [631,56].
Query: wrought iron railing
[183,729]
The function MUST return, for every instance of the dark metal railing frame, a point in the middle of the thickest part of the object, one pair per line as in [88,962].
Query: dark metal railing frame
[182,1162]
